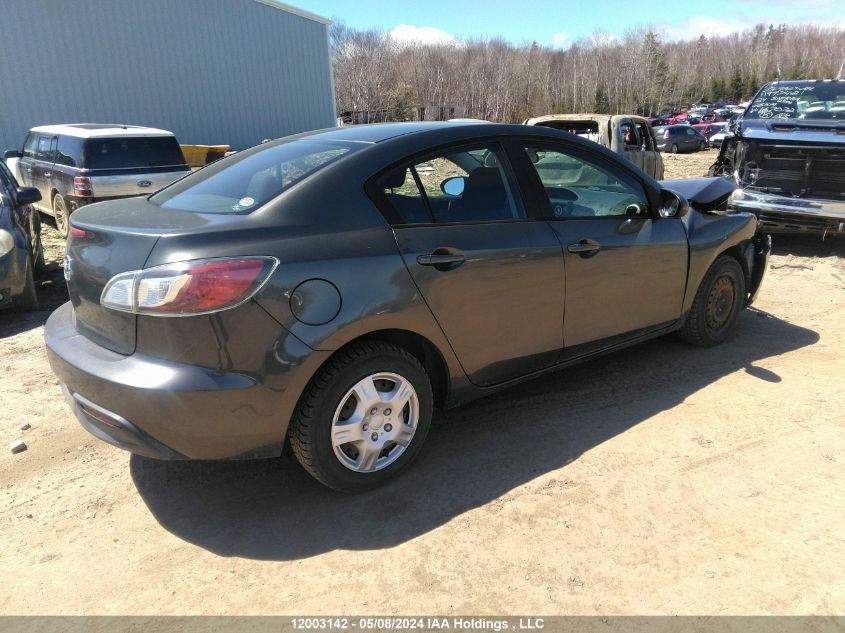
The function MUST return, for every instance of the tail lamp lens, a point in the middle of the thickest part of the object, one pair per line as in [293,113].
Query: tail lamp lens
[82,186]
[188,288]
[665,133]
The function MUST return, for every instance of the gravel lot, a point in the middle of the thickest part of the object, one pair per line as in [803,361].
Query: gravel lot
[659,480]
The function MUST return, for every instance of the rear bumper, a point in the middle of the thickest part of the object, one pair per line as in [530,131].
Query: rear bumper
[116,430]
[782,214]
[171,410]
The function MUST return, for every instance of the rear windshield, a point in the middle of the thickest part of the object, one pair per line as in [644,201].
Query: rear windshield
[140,151]
[246,181]
[584,129]
[810,101]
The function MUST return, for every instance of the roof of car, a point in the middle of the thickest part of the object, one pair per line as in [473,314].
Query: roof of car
[378,132]
[100,130]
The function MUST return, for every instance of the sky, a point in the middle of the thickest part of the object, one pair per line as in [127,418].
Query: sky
[559,23]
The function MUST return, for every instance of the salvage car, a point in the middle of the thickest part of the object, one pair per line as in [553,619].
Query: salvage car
[680,138]
[787,155]
[21,251]
[336,287]
[82,163]
[629,136]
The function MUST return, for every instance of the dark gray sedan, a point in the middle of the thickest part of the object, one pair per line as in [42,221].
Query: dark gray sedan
[334,288]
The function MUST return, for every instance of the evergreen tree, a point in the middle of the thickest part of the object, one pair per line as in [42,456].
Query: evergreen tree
[797,71]
[751,86]
[601,102]
[736,86]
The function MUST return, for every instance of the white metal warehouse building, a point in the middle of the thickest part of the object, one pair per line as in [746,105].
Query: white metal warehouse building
[211,71]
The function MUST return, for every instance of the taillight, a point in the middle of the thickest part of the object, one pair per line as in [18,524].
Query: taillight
[75,231]
[82,186]
[188,288]
[665,133]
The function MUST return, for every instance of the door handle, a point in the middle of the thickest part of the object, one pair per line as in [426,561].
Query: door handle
[442,258]
[584,247]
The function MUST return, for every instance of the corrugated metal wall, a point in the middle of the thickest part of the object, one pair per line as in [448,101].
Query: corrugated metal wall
[211,71]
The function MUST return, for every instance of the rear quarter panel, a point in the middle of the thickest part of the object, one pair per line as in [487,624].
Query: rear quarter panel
[324,230]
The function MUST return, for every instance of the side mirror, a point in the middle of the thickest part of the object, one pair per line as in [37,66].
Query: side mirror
[27,195]
[453,186]
[672,205]
[12,153]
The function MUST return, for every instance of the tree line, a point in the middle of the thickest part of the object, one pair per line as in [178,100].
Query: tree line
[381,79]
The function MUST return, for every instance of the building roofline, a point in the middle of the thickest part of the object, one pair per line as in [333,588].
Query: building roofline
[296,11]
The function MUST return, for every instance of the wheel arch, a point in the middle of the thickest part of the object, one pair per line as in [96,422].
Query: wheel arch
[420,347]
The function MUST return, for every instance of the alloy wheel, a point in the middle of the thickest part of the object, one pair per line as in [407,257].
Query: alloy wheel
[375,422]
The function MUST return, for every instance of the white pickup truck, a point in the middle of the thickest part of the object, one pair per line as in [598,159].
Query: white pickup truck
[628,135]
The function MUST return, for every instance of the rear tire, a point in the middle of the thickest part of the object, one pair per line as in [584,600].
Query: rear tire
[346,440]
[717,304]
[673,149]
[62,215]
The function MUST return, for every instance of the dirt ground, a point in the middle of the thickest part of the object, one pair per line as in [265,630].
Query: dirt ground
[663,479]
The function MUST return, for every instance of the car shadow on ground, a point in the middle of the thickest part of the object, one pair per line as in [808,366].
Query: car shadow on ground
[272,510]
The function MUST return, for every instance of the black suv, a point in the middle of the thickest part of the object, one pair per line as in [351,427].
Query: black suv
[75,165]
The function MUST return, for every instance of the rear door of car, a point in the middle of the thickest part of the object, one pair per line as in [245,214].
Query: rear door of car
[626,270]
[490,270]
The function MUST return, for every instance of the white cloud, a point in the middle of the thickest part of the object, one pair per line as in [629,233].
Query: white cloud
[408,34]
[561,40]
[696,25]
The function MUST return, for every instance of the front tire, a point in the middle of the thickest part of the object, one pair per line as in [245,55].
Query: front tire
[702,146]
[62,215]
[717,304]
[363,418]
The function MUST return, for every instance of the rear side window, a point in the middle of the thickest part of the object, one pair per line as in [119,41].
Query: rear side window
[457,186]
[249,180]
[132,152]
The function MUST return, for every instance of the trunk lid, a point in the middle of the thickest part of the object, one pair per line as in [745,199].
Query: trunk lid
[120,235]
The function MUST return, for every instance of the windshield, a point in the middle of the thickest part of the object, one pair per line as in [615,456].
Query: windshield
[249,180]
[132,152]
[803,101]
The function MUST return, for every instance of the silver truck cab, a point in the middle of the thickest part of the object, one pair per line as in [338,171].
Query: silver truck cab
[628,135]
